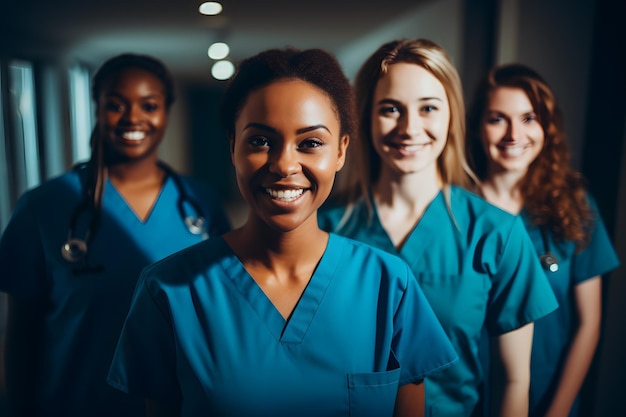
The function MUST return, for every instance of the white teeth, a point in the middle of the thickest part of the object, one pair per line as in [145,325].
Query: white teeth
[412,148]
[136,135]
[284,195]
[513,150]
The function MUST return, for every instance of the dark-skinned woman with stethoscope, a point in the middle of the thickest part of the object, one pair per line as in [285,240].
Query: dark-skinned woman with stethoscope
[519,151]
[75,246]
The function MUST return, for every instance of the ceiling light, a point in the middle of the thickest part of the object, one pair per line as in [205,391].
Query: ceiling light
[222,70]
[219,50]
[210,8]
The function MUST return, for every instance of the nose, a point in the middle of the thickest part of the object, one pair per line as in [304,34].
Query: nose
[284,162]
[132,114]
[514,130]
[409,124]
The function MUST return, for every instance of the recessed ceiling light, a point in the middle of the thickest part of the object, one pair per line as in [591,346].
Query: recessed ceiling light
[219,50]
[222,70]
[210,8]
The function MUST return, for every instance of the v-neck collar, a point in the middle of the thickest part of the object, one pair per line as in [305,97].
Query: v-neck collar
[115,199]
[420,235]
[293,329]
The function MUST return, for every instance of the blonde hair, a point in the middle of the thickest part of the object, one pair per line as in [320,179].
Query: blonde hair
[363,163]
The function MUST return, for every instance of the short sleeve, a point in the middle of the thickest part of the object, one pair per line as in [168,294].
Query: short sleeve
[144,362]
[599,256]
[520,291]
[419,343]
[21,253]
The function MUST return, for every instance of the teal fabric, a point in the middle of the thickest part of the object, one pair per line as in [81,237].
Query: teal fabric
[201,333]
[554,332]
[86,310]
[476,266]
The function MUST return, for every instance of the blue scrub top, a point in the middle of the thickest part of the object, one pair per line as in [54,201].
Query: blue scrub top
[476,266]
[554,332]
[86,310]
[202,334]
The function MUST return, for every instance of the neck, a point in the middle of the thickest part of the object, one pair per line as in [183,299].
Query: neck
[503,190]
[413,191]
[135,171]
[279,251]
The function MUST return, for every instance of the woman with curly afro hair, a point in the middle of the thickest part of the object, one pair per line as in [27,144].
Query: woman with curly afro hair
[519,152]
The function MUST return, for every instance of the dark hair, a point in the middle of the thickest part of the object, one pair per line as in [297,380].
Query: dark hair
[113,66]
[553,192]
[101,79]
[314,66]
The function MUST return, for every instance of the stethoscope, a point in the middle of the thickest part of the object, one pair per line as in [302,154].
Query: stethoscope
[74,249]
[548,260]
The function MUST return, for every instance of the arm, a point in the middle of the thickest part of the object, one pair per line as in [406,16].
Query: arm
[157,409]
[410,401]
[588,297]
[22,353]
[513,371]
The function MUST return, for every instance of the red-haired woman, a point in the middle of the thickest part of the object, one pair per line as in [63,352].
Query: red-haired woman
[519,151]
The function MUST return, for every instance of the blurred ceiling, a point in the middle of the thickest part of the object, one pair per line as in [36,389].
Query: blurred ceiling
[176,32]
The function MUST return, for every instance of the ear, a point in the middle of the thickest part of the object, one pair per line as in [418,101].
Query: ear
[343,150]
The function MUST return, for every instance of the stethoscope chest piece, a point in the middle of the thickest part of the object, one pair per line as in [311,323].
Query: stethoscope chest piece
[195,224]
[74,250]
[549,262]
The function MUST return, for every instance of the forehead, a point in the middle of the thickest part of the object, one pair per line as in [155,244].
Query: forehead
[133,78]
[288,103]
[408,81]
[512,99]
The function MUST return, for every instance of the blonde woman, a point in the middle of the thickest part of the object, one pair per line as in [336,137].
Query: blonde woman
[403,192]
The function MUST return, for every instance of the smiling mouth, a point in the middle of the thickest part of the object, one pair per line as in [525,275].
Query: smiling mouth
[409,148]
[516,150]
[134,135]
[284,195]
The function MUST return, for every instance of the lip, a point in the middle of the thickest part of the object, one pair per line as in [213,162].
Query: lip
[132,135]
[513,150]
[285,194]
[408,149]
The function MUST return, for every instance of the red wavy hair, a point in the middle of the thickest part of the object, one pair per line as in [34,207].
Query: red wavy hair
[554,193]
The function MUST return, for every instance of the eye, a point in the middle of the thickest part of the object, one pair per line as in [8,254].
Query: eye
[310,143]
[150,107]
[388,110]
[113,106]
[531,117]
[492,120]
[429,108]
[259,141]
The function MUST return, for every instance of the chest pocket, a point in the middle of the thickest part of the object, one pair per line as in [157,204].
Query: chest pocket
[373,394]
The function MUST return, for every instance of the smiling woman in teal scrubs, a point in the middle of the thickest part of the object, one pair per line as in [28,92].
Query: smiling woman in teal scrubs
[521,155]
[279,318]
[67,302]
[474,262]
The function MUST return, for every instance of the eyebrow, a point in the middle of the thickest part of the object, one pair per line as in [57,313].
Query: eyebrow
[393,101]
[267,128]
[115,94]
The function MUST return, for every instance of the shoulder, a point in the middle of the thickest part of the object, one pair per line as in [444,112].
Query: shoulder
[185,265]
[473,210]
[371,260]
[57,191]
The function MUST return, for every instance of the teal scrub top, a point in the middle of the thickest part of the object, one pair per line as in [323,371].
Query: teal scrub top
[476,266]
[87,304]
[201,334]
[554,332]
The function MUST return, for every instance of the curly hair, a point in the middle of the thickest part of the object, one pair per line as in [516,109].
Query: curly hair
[553,192]
[314,66]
